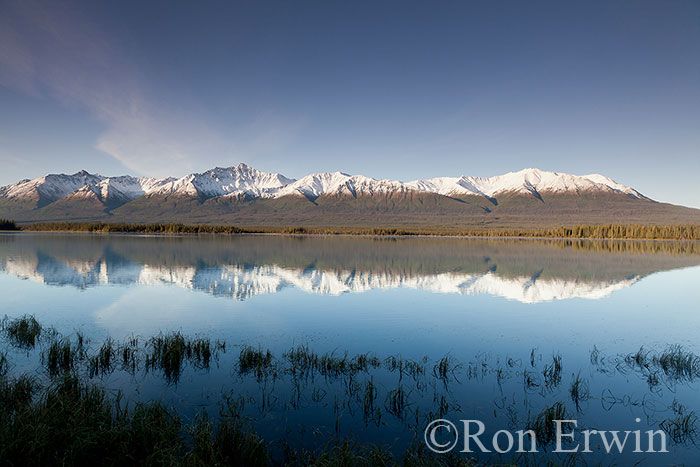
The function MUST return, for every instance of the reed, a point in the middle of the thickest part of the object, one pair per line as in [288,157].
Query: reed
[103,363]
[369,398]
[445,368]
[60,357]
[17,392]
[22,332]
[682,429]
[552,372]
[256,361]
[170,352]
[579,390]
[4,364]
[130,355]
[543,425]
[167,353]
[678,363]
[396,402]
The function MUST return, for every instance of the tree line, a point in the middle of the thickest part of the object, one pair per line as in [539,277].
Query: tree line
[606,231]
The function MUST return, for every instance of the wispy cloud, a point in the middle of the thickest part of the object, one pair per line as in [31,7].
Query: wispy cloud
[53,50]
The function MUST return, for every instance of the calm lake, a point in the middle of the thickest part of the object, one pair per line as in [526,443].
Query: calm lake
[494,330]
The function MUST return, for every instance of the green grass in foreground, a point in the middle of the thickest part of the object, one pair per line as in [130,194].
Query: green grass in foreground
[70,422]
[607,231]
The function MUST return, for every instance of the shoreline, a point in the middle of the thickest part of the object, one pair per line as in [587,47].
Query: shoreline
[688,233]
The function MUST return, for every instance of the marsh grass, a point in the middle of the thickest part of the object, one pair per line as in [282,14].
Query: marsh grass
[675,363]
[678,363]
[256,361]
[682,429]
[333,366]
[369,397]
[4,364]
[530,381]
[445,369]
[60,357]
[103,363]
[17,392]
[129,352]
[22,332]
[199,352]
[579,390]
[303,361]
[167,353]
[350,388]
[396,402]
[71,422]
[306,363]
[543,424]
[552,373]
[170,352]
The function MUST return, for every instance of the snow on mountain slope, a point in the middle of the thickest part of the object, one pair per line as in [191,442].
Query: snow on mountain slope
[239,180]
[49,188]
[129,188]
[606,181]
[447,186]
[526,181]
[118,190]
[338,183]
[243,180]
[536,181]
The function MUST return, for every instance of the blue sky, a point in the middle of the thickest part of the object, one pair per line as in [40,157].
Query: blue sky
[400,90]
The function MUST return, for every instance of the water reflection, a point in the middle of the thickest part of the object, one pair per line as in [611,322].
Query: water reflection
[243,267]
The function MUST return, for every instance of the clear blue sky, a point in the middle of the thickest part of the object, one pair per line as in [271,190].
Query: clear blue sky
[388,89]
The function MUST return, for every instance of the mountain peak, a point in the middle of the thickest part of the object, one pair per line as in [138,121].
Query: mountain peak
[244,180]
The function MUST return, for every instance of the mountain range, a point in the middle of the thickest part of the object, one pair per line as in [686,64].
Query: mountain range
[243,195]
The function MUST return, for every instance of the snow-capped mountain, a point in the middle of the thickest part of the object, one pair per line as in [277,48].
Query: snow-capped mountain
[49,188]
[243,180]
[239,180]
[526,181]
[118,190]
[338,183]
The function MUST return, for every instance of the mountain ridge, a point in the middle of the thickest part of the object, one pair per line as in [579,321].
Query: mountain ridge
[246,196]
[245,180]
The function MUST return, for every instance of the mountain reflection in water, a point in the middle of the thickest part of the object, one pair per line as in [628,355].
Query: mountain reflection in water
[242,267]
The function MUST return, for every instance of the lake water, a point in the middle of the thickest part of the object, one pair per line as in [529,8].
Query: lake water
[502,314]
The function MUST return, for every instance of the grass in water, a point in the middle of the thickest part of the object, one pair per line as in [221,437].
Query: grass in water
[22,332]
[679,364]
[579,390]
[543,425]
[30,407]
[71,422]
[256,361]
[396,401]
[170,352]
[682,429]
[103,363]
[552,372]
[4,364]
[60,357]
